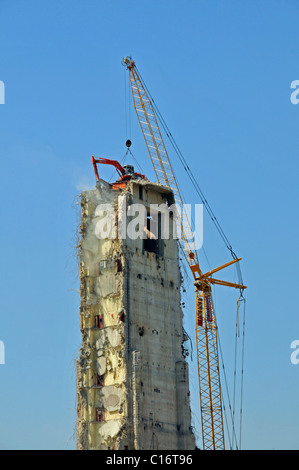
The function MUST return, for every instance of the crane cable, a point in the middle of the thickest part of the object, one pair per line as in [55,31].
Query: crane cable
[127,107]
[234,437]
[242,299]
[192,178]
[227,244]
[237,334]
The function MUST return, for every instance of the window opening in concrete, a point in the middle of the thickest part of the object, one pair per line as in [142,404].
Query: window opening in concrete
[141,331]
[153,242]
[122,316]
[100,415]
[118,265]
[98,321]
[100,380]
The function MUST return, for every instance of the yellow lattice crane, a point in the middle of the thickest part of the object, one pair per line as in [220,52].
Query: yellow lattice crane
[205,323]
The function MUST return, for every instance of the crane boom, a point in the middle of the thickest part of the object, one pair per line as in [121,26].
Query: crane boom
[205,323]
[160,160]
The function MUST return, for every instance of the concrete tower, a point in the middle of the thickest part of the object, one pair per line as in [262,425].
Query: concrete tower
[132,377]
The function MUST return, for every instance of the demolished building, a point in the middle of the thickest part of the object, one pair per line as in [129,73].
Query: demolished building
[132,375]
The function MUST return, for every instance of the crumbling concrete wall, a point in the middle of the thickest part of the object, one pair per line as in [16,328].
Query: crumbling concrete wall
[132,378]
[101,371]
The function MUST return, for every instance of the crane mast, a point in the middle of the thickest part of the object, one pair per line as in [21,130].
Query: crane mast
[205,321]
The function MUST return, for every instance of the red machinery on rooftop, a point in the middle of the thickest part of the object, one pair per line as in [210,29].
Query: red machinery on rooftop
[126,172]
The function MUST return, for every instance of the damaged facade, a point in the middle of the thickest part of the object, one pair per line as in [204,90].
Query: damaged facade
[132,377]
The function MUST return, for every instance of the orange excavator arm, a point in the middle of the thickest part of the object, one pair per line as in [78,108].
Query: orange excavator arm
[120,170]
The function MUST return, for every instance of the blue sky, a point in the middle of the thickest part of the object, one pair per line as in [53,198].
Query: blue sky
[220,73]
